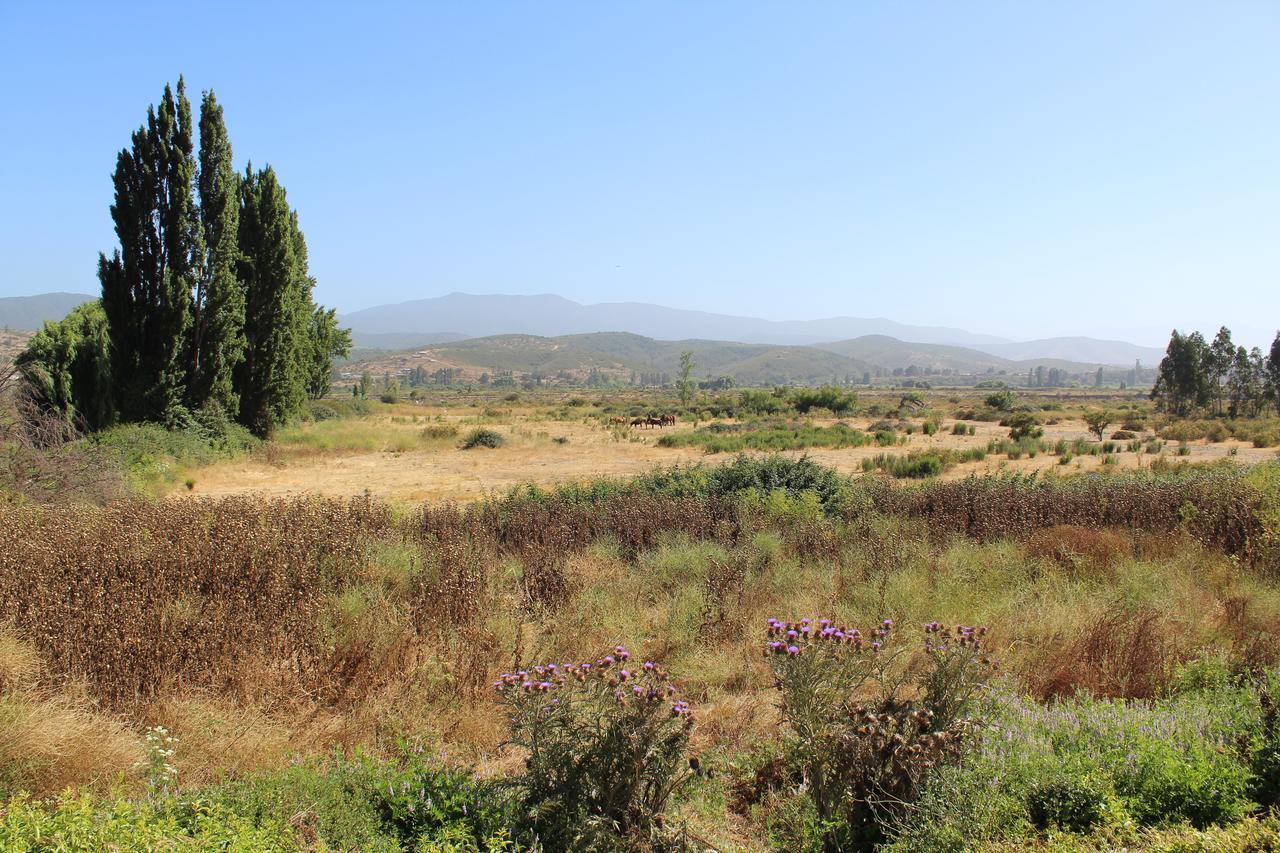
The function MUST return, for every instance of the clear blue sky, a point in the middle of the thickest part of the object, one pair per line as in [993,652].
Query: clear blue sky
[1019,168]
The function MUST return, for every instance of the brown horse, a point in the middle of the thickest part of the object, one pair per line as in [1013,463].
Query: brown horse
[653,422]
[668,420]
[639,421]
[618,419]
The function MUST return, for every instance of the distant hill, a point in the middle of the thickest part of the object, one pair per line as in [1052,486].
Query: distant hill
[553,316]
[461,315]
[1077,349]
[28,313]
[619,355]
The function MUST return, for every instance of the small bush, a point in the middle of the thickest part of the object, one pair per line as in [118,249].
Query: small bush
[437,432]
[1070,802]
[483,438]
[1024,425]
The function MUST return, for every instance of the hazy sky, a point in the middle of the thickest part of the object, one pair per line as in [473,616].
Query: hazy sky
[1018,168]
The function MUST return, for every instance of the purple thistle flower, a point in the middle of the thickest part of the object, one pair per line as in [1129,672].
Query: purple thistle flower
[792,651]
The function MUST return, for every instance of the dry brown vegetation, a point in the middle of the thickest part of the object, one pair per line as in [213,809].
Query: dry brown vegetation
[258,628]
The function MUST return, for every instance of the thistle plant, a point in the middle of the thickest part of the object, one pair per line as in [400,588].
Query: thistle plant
[606,748]
[865,721]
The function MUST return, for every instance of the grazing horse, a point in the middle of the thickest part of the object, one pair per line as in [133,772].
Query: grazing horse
[653,422]
[668,420]
[618,419]
[639,421]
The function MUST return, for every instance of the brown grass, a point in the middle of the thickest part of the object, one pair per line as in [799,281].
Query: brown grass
[1069,545]
[1118,653]
[51,742]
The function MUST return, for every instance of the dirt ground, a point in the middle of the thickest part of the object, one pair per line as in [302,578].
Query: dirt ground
[444,473]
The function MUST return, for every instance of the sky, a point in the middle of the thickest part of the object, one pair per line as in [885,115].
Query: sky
[1017,168]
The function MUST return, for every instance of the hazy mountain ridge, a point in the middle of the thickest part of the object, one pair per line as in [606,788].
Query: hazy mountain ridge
[476,316]
[554,316]
[622,356]
[29,313]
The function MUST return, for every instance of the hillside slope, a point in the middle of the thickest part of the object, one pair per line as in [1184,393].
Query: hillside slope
[29,313]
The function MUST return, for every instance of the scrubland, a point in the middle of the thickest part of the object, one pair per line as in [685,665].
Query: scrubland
[315,672]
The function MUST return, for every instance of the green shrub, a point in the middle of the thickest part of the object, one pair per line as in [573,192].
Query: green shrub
[368,804]
[1001,401]
[482,438]
[81,823]
[1024,425]
[828,397]
[1074,802]
[765,435]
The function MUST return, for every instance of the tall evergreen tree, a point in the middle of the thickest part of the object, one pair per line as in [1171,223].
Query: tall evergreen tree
[148,281]
[271,380]
[216,344]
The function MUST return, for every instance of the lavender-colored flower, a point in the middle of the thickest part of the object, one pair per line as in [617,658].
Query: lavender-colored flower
[792,651]
[623,675]
[792,634]
[649,665]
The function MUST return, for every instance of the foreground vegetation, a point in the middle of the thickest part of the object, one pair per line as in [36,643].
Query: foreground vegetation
[277,674]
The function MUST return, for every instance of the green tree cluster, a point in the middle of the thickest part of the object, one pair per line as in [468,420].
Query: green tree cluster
[1198,376]
[206,304]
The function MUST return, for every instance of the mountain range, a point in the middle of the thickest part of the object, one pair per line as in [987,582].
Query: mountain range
[458,317]
[29,313]
[624,357]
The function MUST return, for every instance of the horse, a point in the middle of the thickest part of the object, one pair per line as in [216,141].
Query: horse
[639,421]
[668,420]
[653,422]
[618,420]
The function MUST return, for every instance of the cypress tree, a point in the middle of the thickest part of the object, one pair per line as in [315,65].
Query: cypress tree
[271,380]
[148,281]
[217,340]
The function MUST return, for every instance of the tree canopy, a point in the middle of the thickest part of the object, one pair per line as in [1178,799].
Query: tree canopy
[206,302]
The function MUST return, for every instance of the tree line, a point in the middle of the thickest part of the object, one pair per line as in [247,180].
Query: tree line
[206,313]
[1197,376]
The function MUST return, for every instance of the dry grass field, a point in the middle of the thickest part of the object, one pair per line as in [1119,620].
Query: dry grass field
[386,455]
